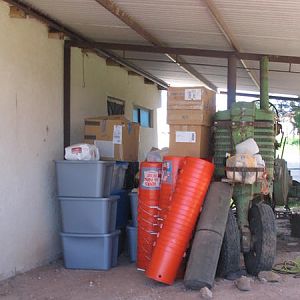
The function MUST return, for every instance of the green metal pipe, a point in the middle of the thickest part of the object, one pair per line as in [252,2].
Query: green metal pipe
[264,83]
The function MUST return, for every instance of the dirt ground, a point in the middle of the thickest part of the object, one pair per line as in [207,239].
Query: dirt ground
[53,282]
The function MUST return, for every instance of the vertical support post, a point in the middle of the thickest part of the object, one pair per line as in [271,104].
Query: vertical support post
[264,83]
[231,81]
[67,94]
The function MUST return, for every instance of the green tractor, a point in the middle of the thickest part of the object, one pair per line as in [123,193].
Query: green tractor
[253,231]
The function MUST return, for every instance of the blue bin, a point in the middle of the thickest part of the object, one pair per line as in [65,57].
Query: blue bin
[132,242]
[123,208]
[134,207]
[90,251]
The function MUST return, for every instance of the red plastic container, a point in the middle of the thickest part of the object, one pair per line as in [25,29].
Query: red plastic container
[148,212]
[180,221]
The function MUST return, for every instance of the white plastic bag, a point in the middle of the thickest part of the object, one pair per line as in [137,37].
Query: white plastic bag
[248,146]
[82,152]
[242,160]
[260,164]
[157,155]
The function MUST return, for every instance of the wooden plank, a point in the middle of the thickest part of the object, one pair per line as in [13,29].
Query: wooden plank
[17,13]
[132,73]
[147,81]
[111,62]
[55,34]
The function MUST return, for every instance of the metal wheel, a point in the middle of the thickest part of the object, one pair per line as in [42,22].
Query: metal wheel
[263,239]
[229,260]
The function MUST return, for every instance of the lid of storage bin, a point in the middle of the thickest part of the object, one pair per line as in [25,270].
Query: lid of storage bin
[110,198]
[107,162]
[76,235]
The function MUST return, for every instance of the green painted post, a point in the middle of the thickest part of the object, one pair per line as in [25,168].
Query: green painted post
[264,83]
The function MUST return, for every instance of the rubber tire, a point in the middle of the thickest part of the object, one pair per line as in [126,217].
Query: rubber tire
[263,244]
[229,260]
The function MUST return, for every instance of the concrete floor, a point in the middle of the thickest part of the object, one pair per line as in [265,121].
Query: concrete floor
[125,282]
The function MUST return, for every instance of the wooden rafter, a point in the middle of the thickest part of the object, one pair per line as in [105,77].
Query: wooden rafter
[134,25]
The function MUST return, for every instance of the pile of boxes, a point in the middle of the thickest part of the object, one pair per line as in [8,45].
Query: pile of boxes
[190,116]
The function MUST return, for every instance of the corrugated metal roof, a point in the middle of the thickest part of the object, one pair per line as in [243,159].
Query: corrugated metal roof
[269,26]
[88,18]
[177,23]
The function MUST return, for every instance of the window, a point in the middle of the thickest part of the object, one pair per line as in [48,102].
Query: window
[115,106]
[143,116]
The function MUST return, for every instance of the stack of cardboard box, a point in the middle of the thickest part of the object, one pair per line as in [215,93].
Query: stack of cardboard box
[116,137]
[190,116]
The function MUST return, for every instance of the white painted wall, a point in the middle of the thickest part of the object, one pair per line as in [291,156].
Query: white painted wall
[31,132]
[102,81]
[31,126]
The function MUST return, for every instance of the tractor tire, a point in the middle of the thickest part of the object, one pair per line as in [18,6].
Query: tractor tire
[263,239]
[229,260]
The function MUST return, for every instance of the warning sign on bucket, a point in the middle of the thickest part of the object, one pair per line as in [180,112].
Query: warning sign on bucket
[151,179]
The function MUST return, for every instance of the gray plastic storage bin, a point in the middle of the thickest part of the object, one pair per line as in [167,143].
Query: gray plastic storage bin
[84,178]
[134,207]
[90,251]
[132,242]
[89,215]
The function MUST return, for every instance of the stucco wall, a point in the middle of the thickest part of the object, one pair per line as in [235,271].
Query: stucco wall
[31,126]
[31,132]
[102,81]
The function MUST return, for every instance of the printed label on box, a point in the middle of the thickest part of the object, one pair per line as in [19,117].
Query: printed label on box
[185,137]
[151,179]
[117,135]
[192,94]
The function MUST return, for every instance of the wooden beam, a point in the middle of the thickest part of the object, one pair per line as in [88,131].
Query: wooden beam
[110,62]
[228,35]
[117,11]
[132,73]
[55,34]
[15,12]
[147,81]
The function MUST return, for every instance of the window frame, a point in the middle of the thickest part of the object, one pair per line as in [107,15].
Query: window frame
[117,101]
[150,114]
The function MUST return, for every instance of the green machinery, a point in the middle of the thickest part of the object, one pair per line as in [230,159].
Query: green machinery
[255,218]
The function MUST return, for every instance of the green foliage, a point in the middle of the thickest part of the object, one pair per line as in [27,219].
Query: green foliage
[297,117]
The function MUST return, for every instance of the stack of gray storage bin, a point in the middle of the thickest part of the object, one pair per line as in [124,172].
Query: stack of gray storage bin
[89,235]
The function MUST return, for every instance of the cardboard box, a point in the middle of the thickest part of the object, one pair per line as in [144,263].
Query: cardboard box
[189,117]
[115,136]
[190,140]
[191,98]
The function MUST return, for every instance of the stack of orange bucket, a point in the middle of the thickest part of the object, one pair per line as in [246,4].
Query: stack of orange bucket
[148,211]
[170,170]
[175,234]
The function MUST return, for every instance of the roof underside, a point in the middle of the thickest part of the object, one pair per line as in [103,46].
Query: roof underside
[269,26]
